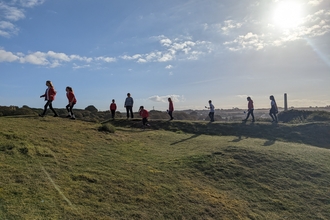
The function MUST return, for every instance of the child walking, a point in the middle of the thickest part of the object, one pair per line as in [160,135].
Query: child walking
[49,95]
[211,113]
[72,101]
[273,110]
[170,108]
[144,114]
[113,108]
[250,109]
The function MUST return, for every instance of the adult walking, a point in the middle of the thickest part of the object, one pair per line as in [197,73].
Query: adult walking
[273,109]
[49,95]
[250,109]
[129,105]
[170,108]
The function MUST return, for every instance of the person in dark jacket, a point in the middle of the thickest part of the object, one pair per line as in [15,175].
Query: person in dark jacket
[273,109]
[170,108]
[113,108]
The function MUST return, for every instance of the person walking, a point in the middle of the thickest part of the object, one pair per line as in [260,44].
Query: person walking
[129,105]
[72,101]
[211,113]
[170,108]
[113,108]
[144,114]
[273,109]
[49,95]
[250,109]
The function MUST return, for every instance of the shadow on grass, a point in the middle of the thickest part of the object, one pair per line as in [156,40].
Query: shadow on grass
[186,139]
[315,133]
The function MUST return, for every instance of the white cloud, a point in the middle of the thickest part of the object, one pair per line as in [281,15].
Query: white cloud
[11,13]
[175,98]
[183,48]
[248,41]
[106,59]
[169,67]
[315,2]
[313,25]
[37,58]
[50,59]
[7,29]
[75,66]
[7,56]
[230,24]
[31,3]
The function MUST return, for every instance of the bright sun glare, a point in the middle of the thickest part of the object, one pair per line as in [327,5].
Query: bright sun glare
[288,14]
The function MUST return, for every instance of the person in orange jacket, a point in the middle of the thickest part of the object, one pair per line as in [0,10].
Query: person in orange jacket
[144,114]
[72,101]
[113,108]
[49,95]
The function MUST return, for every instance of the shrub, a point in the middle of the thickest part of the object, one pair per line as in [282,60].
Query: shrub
[107,128]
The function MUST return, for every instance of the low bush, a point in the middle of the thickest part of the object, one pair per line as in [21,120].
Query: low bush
[107,128]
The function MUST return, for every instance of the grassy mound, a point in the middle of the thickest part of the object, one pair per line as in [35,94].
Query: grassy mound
[297,116]
[53,168]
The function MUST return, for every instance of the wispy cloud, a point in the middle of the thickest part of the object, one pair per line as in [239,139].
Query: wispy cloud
[50,59]
[248,41]
[7,29]
[173,49]
[175,98]
[313,25]
[31,3]
[230,24]
[315,2]
[13,11]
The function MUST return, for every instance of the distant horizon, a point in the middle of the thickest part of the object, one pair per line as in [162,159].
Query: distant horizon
[205,109]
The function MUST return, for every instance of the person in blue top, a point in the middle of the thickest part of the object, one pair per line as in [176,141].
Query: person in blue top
[129,105]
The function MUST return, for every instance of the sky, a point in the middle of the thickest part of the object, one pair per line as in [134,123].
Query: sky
[192,51]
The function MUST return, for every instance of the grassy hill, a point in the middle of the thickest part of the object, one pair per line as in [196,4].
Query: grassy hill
[55,168]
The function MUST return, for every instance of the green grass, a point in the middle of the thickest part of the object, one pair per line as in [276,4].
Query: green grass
[53,168]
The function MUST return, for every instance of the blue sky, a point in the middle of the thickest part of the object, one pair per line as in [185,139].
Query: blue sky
[191,51]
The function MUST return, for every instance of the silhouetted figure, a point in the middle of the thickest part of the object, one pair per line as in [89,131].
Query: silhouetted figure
[273,110]
[211,113]
[250,109]
[129,105]
[170,108]
[113,108]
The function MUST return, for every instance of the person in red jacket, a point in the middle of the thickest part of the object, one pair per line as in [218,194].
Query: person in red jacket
[49,95]
[72,101]
[170,108]
[144,114]
[250,109]
[113,108]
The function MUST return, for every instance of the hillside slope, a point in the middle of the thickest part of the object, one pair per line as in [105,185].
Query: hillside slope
[53,168]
